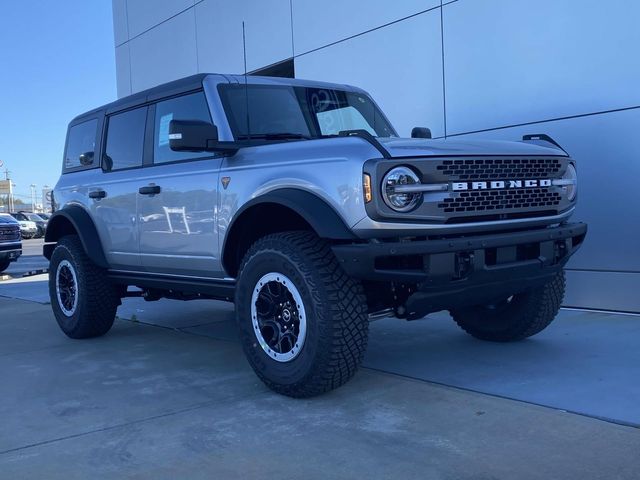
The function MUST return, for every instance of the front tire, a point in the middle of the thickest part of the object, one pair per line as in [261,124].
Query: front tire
[303,322]
[83,299]
[515,318]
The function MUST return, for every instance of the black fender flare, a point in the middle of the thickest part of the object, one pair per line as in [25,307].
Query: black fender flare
[80,221]
[323,218]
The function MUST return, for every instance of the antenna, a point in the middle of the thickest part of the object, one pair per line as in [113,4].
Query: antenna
[246,88]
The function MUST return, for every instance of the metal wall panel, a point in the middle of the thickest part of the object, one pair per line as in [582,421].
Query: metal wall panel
[268,32]
[219,36]
[164,53]
[603,290]
[123,71]
[120,27]
[400,65]
[316,24]
[144,14]
[514,61]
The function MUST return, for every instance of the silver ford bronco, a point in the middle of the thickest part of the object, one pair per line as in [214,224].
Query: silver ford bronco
[299,202]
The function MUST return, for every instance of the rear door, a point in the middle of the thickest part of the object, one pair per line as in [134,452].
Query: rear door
[113,200]
[178,212]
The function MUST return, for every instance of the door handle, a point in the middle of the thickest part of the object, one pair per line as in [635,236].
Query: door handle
[97,194]
[149,190]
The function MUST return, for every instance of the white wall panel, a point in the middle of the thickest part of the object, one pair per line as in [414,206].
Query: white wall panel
[608,195]
[145,14]
[603,290]
[164,53]
[399,65]
[219,29]
[120,27]
[516,61]
[123,71]
[319,23]
[268,32]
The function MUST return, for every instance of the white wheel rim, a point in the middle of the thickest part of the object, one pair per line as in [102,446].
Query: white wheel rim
[278,317]
[67,288]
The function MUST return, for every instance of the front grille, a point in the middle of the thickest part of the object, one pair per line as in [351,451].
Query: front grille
[486,200]
[9,233]
[500,168]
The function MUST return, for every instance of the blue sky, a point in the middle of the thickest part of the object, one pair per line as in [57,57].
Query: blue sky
[57,60]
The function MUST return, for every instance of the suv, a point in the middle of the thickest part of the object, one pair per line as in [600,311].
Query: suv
[10,243]
[37,220]
[298,201]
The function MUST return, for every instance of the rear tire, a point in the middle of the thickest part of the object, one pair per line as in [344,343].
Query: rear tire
[294,275]
[83,299]
[516,318]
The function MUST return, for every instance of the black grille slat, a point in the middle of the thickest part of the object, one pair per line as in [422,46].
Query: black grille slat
[482,200]
[500,169]
[8,234]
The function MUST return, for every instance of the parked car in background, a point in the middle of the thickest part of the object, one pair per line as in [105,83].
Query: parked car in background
[28,229]
[44,216]
[41,223]
[10,241]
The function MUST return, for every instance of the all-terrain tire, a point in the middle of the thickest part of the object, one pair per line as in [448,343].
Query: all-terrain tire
[523,315]
[337,323]
[97,298]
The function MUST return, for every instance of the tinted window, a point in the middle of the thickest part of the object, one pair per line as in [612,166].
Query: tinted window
[81,145]
[125,140]
[189,107]
[272,109]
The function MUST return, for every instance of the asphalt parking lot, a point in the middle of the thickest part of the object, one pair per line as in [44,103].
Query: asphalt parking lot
[168,394]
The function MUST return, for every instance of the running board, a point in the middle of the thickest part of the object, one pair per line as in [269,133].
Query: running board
[205,288]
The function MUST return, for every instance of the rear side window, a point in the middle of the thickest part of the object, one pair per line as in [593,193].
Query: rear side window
[188,107]
[81,145]
[125,140]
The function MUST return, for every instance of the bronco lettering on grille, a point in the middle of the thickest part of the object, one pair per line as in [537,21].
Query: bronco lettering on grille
[499,184]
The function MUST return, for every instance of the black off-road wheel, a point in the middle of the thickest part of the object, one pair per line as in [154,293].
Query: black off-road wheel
[4,264]
[83,299]
[516,317]
[303,322]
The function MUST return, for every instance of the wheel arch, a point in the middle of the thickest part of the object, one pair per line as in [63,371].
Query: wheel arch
[74,220]
[280,210]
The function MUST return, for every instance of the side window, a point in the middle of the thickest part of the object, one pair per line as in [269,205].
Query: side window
[81,145]
[188,107]
[125,140]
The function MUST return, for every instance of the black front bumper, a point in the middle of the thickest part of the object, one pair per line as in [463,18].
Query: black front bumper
[11,251]
[448,273]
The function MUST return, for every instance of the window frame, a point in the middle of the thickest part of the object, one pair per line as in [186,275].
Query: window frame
[151,127]
[105,132]
[99,117]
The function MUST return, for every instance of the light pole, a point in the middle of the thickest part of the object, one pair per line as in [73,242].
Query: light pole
[33,197]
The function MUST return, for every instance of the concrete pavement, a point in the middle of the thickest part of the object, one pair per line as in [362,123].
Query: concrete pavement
[152,402]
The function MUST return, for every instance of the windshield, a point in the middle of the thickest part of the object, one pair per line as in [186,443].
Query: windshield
[284,111]
[33,217]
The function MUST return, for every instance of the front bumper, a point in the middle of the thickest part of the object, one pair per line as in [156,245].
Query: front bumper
[471,270]
[11,251]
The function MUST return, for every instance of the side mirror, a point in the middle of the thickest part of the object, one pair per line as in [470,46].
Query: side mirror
[420,132]
[192,136]
[86,159]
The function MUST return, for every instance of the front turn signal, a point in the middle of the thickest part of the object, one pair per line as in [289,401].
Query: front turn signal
[366,187]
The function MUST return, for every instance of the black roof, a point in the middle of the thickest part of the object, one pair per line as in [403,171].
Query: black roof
[176,87]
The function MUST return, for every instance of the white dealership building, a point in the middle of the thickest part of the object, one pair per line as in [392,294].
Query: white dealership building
[496,69]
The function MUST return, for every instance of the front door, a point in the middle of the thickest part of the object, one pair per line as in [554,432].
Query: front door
[178,199]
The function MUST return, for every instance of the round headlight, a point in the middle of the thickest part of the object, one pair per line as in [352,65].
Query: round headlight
[392,191]
[571,187]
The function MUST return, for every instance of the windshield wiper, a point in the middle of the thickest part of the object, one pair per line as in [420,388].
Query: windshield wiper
[275,136]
